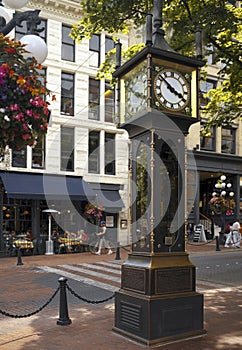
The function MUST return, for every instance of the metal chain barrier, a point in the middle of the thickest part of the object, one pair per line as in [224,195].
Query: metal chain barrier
[87,300]
[34,312]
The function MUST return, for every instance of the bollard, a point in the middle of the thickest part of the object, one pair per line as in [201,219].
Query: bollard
[64,319]
[117,257]
[217,243]
[19,255]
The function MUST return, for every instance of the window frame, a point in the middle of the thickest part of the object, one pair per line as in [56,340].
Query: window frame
[67,45]
[208,85]
[67,102]
[20,155]
[209,142]
[94,50]
[39,152]
[94,151]
[94,99]
[67,160]
[109,153]
[109,44]
[109,103]
[226,139]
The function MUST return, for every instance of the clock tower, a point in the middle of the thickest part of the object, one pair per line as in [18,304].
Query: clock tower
[157,99]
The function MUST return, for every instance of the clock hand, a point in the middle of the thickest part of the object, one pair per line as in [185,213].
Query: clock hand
[171,88]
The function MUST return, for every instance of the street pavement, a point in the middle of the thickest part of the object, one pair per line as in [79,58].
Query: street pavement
[26,288]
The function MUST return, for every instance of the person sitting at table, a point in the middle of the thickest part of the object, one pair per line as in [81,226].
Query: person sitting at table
[81,236]
[29,235]
[69,235]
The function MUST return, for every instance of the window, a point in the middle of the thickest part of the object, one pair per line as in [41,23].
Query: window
[205,86]
[67,149]
[68,45]
[109,103]
[94,99]
[38,153]
[21,29]
[210,54]
[228,140]
[93,152]
[19,158]
[94,50]
[208,142]
[109,154]
[109,44]
[67,93]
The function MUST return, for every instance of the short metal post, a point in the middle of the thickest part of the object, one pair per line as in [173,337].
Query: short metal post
[19,255]
[117,257]
[217,243]
[64,319]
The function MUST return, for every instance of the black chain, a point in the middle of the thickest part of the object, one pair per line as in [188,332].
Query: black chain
[34,312]
[87,300]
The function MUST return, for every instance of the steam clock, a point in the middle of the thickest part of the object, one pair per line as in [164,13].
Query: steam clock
[158,102]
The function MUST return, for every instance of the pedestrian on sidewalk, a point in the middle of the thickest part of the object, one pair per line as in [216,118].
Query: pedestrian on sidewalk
[234,236]
[102,240]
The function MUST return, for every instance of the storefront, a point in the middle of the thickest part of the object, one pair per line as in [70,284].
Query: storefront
[25,196]
[202,178]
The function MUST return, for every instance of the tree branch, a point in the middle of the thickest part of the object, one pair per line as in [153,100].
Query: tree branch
[226,52]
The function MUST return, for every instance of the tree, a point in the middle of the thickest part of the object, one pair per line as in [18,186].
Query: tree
[221,25]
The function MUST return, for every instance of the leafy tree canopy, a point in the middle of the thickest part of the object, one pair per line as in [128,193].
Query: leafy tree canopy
[221,24]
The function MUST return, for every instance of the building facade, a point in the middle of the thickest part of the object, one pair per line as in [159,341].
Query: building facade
[82,162]
[84,158]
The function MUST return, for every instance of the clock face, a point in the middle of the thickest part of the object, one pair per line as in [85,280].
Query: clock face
[136,94]
[172,90]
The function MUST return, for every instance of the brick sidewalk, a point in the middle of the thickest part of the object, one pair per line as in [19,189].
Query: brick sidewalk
[92,324]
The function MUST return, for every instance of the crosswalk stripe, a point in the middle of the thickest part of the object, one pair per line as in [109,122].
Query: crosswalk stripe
[116,265]
[79,278]
[91,273]
[102,268]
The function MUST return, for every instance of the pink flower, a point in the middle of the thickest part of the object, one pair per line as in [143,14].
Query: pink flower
[14,107]
[29,113]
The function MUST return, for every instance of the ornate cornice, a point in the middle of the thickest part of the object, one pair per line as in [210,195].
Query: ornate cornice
[57,8]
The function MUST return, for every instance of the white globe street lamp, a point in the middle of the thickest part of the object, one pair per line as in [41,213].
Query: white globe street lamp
[35,46]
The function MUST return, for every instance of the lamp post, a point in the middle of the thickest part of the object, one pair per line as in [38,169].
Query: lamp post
[222,203]
[49,243]
[35,45]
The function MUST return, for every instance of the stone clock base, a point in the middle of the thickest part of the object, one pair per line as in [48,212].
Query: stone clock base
[157,302]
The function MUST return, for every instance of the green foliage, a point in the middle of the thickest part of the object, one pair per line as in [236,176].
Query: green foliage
[111,16]
[221,25]
[108,66]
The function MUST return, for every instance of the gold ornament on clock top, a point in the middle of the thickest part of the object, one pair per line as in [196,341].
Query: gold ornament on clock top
[172,90]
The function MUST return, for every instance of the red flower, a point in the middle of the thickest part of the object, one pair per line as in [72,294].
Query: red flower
[9,50]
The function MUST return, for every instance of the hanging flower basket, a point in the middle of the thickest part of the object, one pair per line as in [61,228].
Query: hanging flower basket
[93,213]
[24,110]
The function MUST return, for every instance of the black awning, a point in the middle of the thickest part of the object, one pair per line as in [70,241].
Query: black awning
[45,186]
[110,199]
